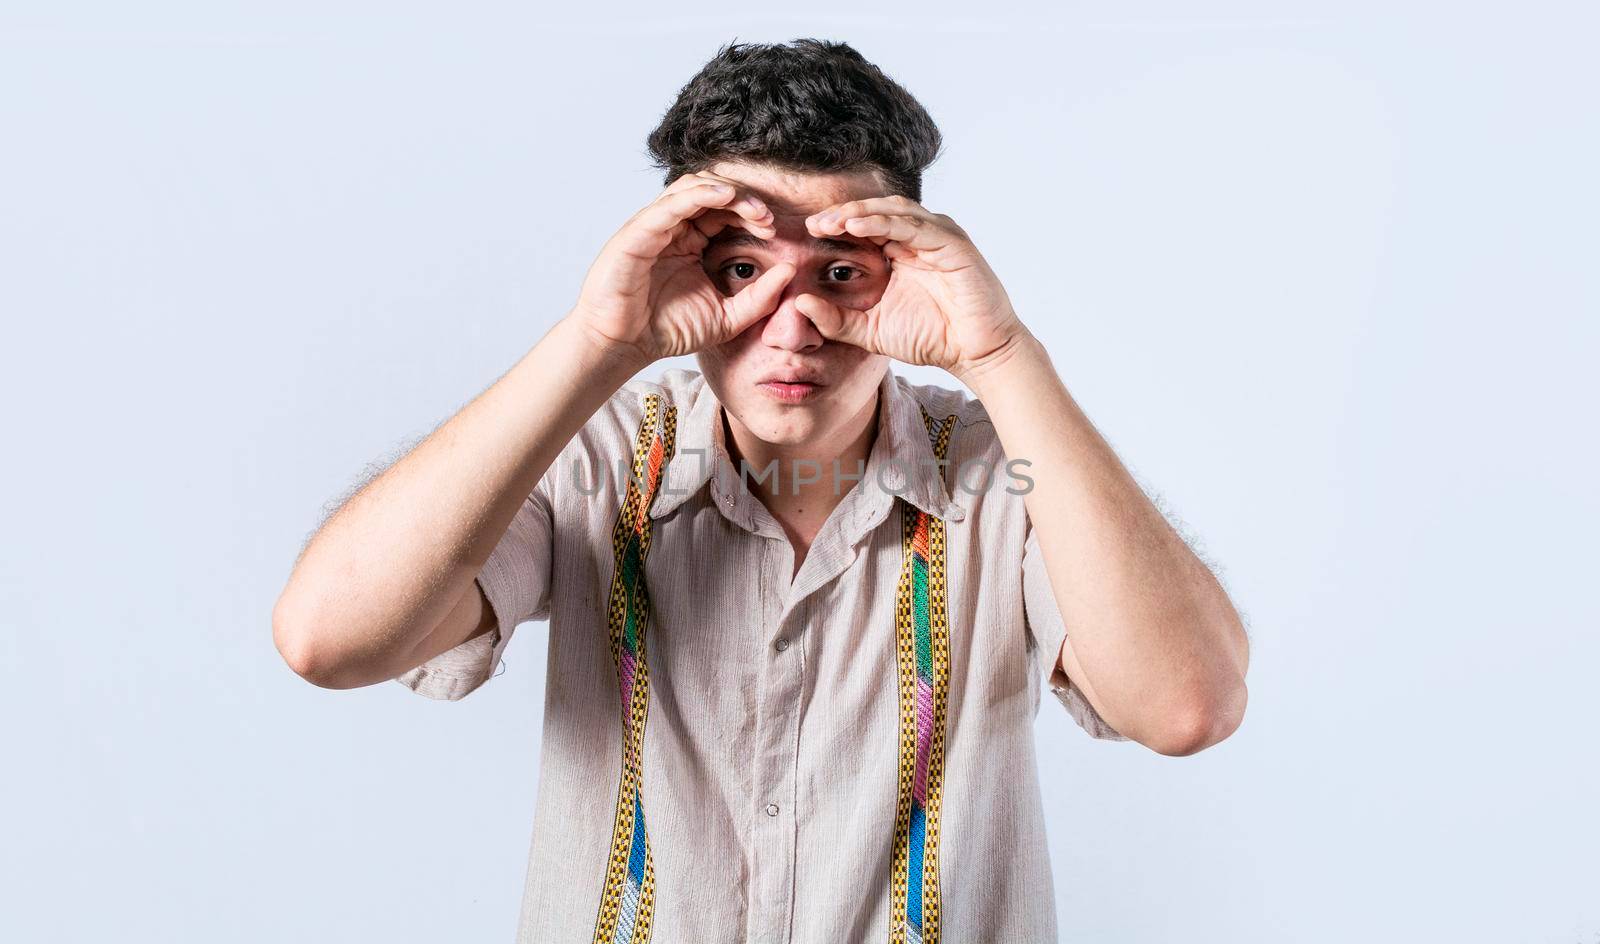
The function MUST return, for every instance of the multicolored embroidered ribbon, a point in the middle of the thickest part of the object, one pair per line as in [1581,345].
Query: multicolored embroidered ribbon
[627,904]
[922,644]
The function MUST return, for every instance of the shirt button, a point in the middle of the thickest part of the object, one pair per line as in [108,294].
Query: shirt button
[772,809]
[781,644]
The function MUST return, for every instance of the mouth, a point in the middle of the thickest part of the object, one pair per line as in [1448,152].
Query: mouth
[792,387]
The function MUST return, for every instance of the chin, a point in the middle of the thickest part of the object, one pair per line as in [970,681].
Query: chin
[778,424]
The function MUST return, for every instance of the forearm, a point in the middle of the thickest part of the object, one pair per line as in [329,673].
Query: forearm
[389,565]
[1149,623]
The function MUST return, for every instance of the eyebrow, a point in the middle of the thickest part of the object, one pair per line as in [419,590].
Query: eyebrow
[733,239]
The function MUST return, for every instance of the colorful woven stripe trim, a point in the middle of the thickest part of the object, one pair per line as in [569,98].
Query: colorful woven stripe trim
[922,645]
[627,903]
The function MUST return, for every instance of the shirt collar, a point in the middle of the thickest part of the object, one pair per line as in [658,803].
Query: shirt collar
[901,461]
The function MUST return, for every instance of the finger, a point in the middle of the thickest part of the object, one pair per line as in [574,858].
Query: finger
[743,188]
[712,222]
[687,180]
[656,223]
[695,201]
[921,234]
[882,239]
[845,325]
[706,176]
[758,299]
[894,205]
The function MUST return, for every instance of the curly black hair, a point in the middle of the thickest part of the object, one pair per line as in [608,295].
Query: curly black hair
[811,105]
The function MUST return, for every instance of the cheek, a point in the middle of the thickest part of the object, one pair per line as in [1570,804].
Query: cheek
[729,358]
[865,291]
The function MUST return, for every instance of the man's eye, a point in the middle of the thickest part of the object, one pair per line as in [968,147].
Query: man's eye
[743,271]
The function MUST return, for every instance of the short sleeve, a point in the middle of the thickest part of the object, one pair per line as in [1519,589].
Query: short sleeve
[516,582]
[1046,632]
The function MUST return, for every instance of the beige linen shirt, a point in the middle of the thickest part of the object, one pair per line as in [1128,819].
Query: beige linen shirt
[764,771]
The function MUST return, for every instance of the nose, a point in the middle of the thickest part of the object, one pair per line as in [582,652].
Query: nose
[787,327]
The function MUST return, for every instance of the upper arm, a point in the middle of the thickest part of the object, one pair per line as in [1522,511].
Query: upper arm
[512,587]
[1068,674]
[470,618]
[1047,633]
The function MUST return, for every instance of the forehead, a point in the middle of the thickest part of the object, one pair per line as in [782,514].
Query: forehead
[800,193]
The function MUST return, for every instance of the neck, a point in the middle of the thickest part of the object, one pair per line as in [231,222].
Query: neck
[799,504]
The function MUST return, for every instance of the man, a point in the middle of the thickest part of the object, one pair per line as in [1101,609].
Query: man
[795,652]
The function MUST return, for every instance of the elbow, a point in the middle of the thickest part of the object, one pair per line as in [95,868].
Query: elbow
[1208,721]
[301,650]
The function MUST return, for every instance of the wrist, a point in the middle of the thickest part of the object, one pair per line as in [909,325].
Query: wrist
[601,352]
[983,370]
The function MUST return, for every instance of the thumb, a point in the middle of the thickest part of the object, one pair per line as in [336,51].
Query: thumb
[758,299]
[845,325]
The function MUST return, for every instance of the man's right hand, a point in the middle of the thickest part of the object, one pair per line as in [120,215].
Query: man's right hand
[649,293]
[387,582]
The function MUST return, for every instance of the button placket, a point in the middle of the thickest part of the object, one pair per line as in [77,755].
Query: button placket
[772,855]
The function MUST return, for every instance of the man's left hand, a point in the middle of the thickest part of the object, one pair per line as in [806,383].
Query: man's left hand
[943,305]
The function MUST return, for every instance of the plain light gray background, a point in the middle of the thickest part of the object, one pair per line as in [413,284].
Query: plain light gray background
[1323,274]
